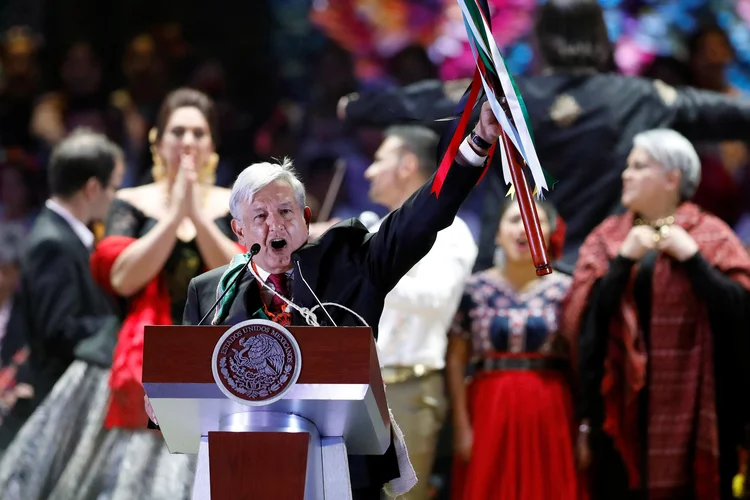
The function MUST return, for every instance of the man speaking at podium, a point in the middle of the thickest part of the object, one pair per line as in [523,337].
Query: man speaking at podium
[347,265]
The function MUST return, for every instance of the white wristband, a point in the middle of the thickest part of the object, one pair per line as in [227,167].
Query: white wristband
[470,155]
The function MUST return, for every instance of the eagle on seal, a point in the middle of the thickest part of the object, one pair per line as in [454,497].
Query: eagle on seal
[261,353]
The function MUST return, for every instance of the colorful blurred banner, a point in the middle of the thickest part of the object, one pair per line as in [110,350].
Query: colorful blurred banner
[642,30]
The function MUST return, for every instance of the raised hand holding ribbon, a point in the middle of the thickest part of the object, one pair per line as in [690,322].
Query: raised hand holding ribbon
[509,109]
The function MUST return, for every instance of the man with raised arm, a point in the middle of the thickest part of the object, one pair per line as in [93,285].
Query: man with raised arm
[348,265]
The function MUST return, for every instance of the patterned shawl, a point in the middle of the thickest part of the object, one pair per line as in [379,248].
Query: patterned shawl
[682,404]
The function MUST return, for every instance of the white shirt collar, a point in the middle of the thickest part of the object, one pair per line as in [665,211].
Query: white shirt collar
[265,274]
[83,232]
[262,273]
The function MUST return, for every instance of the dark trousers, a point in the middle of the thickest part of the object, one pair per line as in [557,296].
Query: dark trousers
[369,493]
[609,477]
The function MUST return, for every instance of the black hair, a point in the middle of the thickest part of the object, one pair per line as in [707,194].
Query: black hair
[708,27]
[572,34]
[79,157]
[412,64]
[187,98]
[668,69]
[549,210]
[421,141]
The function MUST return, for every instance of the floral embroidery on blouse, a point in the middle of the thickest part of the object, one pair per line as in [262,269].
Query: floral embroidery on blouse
[496,318]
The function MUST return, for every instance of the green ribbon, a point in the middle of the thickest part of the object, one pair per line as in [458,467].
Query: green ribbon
[235,266]
[475,17]
[551,181]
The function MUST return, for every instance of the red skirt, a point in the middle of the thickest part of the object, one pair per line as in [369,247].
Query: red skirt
[523,439]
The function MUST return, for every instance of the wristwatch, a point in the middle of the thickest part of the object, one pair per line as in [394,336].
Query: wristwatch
[479,142]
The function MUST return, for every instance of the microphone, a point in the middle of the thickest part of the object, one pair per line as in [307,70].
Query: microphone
[295,258]
[254,250]
[307,314]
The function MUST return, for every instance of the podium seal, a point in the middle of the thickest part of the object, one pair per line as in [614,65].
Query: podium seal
[256,362]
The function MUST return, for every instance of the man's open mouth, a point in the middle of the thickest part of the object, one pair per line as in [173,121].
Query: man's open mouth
[278,243]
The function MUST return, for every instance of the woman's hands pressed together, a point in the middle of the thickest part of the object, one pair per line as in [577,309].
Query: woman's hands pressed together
[184,199]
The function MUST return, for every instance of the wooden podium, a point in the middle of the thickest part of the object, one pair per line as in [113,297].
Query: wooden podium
[293,447]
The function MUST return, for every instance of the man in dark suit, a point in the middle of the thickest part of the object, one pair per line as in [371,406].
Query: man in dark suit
[58,308]
[347,265]
[583,117]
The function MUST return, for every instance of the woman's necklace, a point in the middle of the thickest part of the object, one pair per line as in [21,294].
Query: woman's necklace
[661,225]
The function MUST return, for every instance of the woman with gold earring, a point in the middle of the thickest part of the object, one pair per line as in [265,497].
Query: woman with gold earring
[158,237]
[181,220]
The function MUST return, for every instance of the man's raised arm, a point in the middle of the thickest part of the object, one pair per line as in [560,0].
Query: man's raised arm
[409,232]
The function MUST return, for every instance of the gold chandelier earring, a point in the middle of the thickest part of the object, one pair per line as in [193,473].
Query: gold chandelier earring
[207,173]
[158,170]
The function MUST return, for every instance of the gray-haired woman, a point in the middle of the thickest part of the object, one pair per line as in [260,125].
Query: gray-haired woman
[660,299]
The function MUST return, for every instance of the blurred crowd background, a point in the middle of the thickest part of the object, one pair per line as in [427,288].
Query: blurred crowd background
[276,70]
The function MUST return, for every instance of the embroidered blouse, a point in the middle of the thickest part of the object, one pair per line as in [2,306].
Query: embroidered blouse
[498,319]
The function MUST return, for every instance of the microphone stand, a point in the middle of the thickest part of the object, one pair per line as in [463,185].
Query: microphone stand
[253,252]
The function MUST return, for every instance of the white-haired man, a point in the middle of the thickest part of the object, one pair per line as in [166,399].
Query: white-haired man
[348,265]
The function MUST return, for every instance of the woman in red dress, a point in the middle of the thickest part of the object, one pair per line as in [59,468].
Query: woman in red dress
[513,432]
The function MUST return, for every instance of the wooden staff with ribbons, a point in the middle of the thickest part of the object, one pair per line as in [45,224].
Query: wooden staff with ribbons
[516,142]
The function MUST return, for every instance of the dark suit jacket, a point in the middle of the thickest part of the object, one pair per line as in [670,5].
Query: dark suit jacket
[58,309]
[354,268]
[583,139]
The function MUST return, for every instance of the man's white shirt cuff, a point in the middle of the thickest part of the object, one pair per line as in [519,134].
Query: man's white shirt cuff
[468,153]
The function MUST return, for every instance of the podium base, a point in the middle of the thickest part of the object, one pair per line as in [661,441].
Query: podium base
[262,455]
